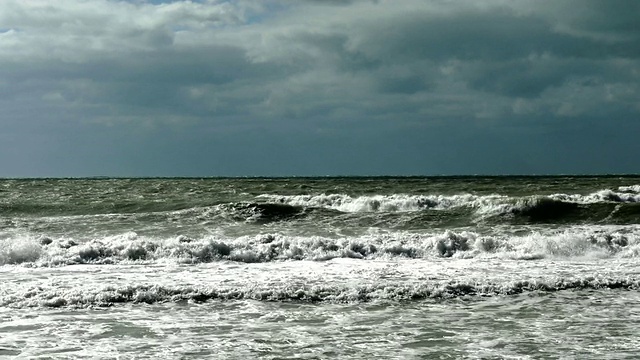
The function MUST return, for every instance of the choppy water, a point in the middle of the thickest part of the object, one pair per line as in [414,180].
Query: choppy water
[459,267]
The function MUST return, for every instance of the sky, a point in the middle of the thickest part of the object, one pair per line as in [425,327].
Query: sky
[318,87]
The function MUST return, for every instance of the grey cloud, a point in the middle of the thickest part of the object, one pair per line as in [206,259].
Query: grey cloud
[615,20]
[318,72]
[503,50]
[499,50]
[403,84]
[527,77]
[464,36]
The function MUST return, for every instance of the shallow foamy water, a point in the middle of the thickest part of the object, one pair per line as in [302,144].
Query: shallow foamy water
[346,308]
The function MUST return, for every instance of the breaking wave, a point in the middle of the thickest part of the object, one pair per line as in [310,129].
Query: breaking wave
[625,194]
[260,212]
[131,248]
[437,290]
[385,203]
[406,202]
[605,206]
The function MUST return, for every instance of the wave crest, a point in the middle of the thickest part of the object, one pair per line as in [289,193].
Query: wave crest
[437,290]
[384,203]
[484,204]
[131,248]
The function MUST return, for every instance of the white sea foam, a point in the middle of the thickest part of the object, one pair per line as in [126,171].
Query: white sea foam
[630,189]
[336,282]
[574,241]
[627,194]
[19,250]
[375,289]
[386,203]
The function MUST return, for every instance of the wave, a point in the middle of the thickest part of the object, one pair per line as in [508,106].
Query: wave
[618,206]
[69,208]
[625,194]
[485,203]
[633,189]
[578,241]
[259,212]
[436,290]
[541,209]
[605,206]
[552,210]
[384,203]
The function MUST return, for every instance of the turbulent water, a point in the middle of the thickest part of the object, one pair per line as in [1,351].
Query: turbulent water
[319,268]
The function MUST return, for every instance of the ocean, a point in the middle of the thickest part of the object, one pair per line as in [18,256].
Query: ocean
[320,268]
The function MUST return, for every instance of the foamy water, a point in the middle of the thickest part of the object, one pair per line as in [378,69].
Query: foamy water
[320,268]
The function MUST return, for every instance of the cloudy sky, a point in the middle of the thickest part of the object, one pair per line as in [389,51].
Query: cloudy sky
[318,87]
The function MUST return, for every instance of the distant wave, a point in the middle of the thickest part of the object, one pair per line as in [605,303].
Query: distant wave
[406,202]
[625,194]
[130,248]
[267,208]
[385,203]
[618,207]
[43,296]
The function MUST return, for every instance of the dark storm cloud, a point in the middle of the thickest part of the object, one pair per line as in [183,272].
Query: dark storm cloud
[618,18]
[516,55]
[511,51]
[315,69]
[508,49]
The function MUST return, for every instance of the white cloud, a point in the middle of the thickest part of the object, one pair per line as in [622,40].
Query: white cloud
[83,31]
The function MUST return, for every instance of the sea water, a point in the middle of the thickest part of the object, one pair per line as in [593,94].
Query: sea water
[320,268]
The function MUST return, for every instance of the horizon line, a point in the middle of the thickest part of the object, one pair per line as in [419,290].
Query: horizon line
[106,177]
